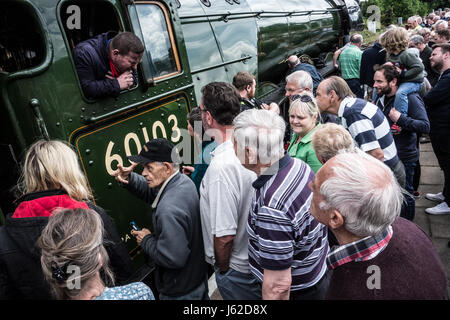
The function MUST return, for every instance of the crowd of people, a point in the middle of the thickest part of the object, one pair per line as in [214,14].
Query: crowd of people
[307,220]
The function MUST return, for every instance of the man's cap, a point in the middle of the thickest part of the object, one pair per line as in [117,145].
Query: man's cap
[156,150]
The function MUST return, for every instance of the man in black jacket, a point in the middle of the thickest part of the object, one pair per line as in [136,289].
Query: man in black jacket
[371,58]
[386,82]
[437,102]
[176,244]
[418,42]
[106,64]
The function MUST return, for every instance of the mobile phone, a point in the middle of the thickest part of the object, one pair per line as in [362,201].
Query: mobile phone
[134,226]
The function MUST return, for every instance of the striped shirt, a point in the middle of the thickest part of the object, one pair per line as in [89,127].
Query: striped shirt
[369,128]
[282,232]
[361,250]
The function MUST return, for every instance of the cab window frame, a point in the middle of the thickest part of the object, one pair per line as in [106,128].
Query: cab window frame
[171,35]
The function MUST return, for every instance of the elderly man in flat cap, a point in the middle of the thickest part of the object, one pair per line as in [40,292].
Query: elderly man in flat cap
[176,244]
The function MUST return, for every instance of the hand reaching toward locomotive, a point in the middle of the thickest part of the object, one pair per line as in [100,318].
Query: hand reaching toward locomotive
[122,174]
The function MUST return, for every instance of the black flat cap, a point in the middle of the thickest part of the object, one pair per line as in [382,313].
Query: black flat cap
[155,150]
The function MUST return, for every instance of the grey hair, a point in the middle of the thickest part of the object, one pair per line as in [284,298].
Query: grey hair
[445,23]
[301,78]
[356,38]
[416,39]
[364,191]
[262,131]
[175,165]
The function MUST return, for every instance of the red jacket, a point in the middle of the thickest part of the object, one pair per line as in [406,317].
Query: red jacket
[21,276]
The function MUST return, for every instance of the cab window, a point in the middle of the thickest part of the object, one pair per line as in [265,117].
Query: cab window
[21,38]
[152,22]
[80,20]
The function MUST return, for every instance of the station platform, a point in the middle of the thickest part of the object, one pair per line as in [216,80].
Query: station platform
[436,226]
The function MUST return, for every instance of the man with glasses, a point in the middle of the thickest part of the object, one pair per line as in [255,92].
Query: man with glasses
[297,82]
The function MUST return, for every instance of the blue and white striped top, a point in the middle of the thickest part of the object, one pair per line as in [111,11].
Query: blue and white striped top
[369,128]
[282,232]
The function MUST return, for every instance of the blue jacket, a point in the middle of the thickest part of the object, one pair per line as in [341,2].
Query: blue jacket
[437,102]
[315,75]
[92,64]
[416,122]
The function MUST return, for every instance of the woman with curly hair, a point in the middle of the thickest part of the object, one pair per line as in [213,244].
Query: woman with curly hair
[396,43]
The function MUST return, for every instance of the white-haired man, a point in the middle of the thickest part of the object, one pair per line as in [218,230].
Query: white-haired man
[359,200]
[297,82]
[287,247]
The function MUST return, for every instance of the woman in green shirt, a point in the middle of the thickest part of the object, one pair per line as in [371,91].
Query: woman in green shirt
[303,118]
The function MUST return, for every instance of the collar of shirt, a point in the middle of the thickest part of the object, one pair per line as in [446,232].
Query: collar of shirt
[361,250]
[221,148]
[155,202]
[272,170]
[308,137]
[348,101]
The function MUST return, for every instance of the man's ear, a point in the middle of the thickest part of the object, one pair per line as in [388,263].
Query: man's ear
[394,82]
[333,96]
[209,118]
[251,155]
[336,220]
[168,167]
[115,52]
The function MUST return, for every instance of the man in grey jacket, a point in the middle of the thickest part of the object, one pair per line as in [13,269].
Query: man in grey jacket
[176,244]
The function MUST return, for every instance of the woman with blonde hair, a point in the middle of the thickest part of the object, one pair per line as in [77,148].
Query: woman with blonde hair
[73,256]
[51,179]
[304,120]
[331,139]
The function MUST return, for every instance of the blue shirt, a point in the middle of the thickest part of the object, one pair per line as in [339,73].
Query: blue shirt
[132,291]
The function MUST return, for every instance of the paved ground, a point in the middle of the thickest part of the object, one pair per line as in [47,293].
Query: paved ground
[437,227]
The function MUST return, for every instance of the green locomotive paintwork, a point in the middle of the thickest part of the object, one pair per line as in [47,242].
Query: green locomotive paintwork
[41,96]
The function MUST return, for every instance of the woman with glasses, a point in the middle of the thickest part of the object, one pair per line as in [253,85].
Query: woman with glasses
[304,118]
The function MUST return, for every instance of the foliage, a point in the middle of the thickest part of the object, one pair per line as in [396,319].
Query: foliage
[391,9]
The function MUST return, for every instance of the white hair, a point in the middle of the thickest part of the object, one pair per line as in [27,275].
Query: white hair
[262,131]
[439,23]
[364,191]
[301,78]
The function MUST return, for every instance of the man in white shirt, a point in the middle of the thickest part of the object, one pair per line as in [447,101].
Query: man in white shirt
[225,198]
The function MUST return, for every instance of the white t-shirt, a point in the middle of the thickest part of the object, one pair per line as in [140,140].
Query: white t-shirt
[225,197]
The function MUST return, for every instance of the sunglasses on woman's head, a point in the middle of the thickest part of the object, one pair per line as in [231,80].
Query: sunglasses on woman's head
[303,98]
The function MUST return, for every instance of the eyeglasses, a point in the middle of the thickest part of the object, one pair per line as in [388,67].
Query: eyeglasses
[303,98]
